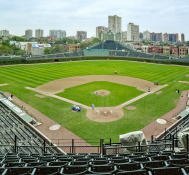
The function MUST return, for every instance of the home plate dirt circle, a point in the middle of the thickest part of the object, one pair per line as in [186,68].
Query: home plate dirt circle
[105,114]
[131,107]
[102,92]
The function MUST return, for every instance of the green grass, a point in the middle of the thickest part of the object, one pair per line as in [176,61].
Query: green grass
[147,110]
[84,94]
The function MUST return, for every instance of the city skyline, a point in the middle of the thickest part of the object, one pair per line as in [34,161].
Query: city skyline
[73,16]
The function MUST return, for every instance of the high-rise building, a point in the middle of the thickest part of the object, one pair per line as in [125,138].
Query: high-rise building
[165,37]
[4,33]
[38,33]
[146,35]
[101,29]
[28,34]
[158,36]
[152,36]
[115,24]
[132,32]
[141,35]
[124,36]
[58,33]
[177,37]
[182,37]
[81,35]
[172,37]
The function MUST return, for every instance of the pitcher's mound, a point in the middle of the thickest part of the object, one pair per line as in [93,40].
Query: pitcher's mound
[105,114]
[102,92]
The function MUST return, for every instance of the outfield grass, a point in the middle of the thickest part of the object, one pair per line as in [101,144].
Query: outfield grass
[84,94]
[147,110]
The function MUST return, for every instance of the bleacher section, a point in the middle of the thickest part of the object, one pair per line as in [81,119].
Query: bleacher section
[122,53]
[80,53]
[111,46]
[152,163]
[11,126]
[134,54]
[98,46]
[175,131]
[96,52]
[146,55]
[112,53]
[161,57]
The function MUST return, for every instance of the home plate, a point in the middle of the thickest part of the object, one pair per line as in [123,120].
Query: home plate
[54,127]
[161,121]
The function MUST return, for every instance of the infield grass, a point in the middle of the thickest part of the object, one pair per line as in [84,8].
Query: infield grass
[147,110]
[118,94]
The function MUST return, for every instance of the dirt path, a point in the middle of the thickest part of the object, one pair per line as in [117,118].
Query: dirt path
[156,128]
[54,135]
[4,84]
[60,85]
[183,82]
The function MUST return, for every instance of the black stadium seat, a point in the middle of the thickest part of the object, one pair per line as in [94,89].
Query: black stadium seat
[75,169]
[95,169]
[167,171]
[134,172]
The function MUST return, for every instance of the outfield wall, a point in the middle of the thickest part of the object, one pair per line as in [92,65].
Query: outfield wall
[50,60]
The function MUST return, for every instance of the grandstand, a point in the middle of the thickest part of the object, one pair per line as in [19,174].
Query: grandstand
[111,45]
[122,53]
[146,55]
[14,130]
[134,54]
[96,52]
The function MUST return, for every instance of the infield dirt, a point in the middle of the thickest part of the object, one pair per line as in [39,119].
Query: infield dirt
[100,114]
[60,85]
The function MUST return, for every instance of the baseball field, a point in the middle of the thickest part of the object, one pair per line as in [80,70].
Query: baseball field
[78,81]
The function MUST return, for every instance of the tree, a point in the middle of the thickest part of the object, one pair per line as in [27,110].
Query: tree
[47,51]
[96,40]
[18,39]
[57,48]
[5,50]
[86,44]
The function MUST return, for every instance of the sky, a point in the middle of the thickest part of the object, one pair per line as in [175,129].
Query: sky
[169,16]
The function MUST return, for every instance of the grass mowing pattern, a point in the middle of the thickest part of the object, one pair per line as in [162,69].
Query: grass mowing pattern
[147,110]
[84,94]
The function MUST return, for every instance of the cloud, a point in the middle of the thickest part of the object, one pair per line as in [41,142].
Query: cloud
[73,15]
